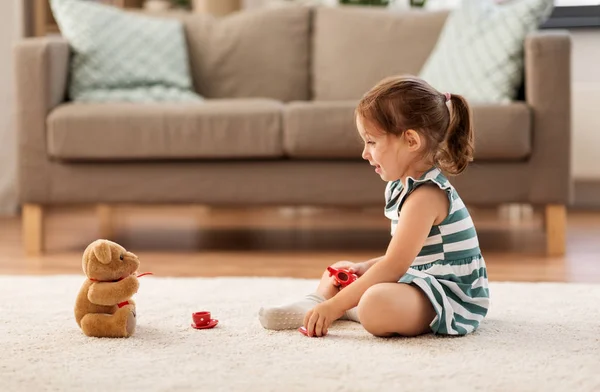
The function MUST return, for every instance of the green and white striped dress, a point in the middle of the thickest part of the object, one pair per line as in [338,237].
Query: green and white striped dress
[449,268]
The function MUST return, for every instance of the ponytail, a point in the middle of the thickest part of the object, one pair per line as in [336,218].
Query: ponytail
[457,148]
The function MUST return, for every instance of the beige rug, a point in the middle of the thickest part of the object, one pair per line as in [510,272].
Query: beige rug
[538,337]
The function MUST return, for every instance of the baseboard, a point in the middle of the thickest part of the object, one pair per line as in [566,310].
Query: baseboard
[587,194]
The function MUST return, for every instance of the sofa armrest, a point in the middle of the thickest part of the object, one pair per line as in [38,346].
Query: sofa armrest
[41,67]
[548,93]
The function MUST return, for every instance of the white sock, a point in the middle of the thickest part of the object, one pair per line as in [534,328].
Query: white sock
[351,315]
[291,316]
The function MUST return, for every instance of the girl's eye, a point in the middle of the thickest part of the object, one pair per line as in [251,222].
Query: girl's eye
[370,142]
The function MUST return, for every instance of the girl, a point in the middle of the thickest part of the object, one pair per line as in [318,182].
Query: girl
[432,277]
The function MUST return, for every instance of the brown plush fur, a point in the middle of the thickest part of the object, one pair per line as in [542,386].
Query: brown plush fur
[111,280]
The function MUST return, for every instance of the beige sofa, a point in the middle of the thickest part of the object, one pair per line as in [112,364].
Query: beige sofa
[277,124]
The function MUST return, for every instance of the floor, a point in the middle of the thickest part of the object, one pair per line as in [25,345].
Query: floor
[195,241]
[534,338]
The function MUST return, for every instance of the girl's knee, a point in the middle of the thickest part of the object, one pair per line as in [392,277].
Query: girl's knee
[370,308]
[389,309]
[374,297]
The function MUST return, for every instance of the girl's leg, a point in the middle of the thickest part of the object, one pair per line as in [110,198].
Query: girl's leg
[388,309]
[326,288]
[291,316]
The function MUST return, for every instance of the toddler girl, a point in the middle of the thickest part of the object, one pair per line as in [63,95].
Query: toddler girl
[432,277]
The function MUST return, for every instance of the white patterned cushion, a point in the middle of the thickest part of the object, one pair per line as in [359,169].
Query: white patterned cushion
[156,93]
[122,56]
[480,50]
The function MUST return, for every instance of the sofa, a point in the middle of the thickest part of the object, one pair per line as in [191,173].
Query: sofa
[276,127]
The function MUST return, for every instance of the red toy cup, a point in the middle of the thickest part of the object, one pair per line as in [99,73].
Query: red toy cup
[203,320]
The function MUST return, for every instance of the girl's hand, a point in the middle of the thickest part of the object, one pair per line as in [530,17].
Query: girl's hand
[318,319]
[359,268]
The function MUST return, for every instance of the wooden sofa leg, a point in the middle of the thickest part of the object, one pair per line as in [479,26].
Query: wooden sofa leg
[32,221]
[105,218]
[556,227]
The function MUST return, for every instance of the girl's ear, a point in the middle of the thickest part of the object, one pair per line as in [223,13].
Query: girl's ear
[413,140]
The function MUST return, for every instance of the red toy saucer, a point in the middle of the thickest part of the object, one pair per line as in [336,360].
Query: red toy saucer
[212,323]
[304,332]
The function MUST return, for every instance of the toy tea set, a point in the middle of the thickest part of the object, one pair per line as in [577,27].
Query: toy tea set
[104,306]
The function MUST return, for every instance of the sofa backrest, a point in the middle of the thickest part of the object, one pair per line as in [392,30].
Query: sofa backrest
[355,47]
[298,53]
[258,53]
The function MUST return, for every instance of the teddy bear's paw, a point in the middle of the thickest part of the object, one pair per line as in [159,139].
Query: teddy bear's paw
[125,319]
[131,322]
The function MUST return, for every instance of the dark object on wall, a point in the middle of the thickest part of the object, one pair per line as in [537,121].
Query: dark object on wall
[417,3]
[381,3]
[583,16]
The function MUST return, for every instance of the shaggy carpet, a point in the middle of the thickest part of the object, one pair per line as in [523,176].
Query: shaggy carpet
[537,337]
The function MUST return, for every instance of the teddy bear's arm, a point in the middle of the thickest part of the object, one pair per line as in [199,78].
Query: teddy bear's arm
[109,293]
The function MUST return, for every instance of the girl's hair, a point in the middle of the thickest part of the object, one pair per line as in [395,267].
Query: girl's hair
[401,103]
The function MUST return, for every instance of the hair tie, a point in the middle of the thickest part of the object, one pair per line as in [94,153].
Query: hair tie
[448,96]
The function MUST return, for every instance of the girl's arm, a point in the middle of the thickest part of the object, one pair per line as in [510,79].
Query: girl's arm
[372,262]
[422,209]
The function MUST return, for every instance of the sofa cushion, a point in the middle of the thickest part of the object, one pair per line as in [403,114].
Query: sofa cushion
[257,53]
[356,47]
[123,56]
[321,129]
[480,50]
[326,130]
[214,129]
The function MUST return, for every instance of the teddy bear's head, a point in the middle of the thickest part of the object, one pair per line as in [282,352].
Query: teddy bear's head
[104,260]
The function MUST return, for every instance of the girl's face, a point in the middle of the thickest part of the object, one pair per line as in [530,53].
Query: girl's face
[391,155]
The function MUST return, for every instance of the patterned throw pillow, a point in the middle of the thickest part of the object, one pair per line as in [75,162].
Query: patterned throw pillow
[480,50]
[122,56]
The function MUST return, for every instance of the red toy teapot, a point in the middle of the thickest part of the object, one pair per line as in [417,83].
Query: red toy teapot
[342,276]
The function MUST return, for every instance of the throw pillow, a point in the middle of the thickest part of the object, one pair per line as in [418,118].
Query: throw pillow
[120,55]
[479,53]
[155,93]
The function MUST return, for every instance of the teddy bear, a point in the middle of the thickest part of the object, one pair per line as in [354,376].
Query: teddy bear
[104,307]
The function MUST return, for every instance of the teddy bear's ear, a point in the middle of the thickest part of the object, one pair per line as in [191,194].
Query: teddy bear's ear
[102,252]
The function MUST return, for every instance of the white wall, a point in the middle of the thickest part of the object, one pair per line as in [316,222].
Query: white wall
[10,30]
[586,102]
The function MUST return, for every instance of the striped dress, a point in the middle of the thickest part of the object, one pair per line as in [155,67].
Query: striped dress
[449,268]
